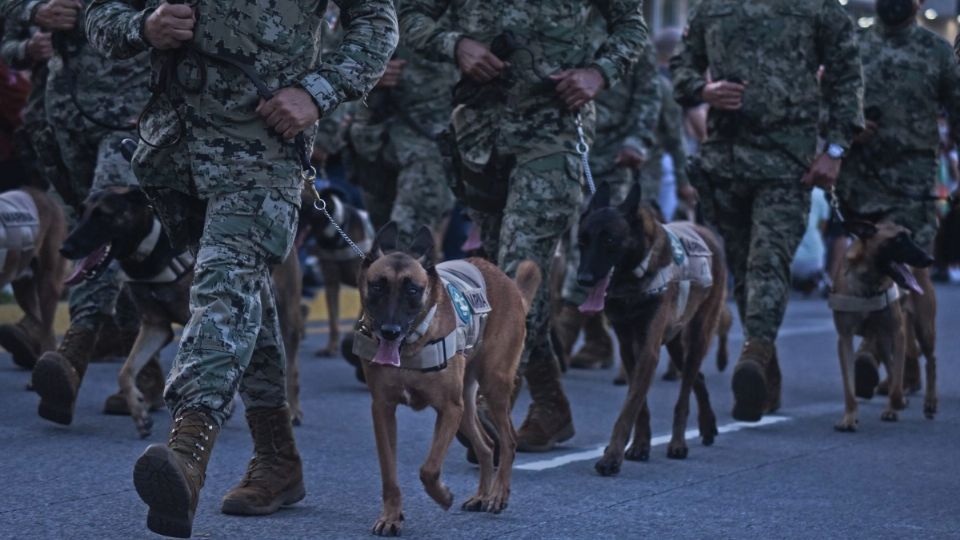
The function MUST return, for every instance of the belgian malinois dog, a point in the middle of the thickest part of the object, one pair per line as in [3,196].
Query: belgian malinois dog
[410,312]
[865,302]
[118,224]
[658,284]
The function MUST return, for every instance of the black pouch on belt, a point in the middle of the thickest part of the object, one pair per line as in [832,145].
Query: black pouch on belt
[485,191]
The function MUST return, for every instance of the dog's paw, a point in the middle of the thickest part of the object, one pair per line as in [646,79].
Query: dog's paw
[388,525]
[708,429]
[473,504]
[441,494]
[929,408]
[843,426]
[608,466]
[677,451]
[496,502]
[889,416]
[144,426]
[637,452]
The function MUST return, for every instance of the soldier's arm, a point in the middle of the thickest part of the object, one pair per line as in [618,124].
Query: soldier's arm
[13,50]
[369,37]
[842,83]
[115,27]
[672,135]
[424,32]
[949,91]
[627,37]
[689,65]
[645,103]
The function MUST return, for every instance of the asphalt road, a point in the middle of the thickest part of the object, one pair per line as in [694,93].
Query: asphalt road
[793,477]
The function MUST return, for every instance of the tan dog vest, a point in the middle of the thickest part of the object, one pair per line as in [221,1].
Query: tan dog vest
[19,227]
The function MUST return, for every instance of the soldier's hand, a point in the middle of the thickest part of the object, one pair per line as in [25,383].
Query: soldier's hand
[724,95]
[630,158]
[40,47]
[688,194]
[394,73]
[58,14]
[869,130]
[577,87]
[169,26]
[477,62]
[823,173]
[290,111]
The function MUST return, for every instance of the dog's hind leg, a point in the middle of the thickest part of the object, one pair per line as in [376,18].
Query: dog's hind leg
[499,403]
[925,328]
[479,441]
[331,291]
[723,333]
[150,340]
[845,351]
[385,431]
[706,418]
[640,447]
[696,341]
[891,350]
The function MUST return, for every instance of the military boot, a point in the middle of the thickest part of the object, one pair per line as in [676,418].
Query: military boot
[597,350]
[549,420]
[150,381]
[58,374]
[21,341]
[750,385]
[774,384]
[114,343]
[566,325]
[274,475]
[168,477]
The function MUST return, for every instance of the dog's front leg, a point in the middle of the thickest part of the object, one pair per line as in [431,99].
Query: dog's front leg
[150,340]
[449,415]
[848,423]
[897,351]
[385,431]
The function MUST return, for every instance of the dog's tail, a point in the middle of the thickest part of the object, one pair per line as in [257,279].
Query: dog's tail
[528,281]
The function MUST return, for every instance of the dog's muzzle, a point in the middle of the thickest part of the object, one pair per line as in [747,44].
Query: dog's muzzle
[391,332]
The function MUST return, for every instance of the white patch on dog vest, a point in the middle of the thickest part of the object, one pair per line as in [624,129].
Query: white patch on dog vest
[19,227]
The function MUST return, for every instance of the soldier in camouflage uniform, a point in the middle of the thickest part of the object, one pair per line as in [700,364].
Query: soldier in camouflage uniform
[221,169]
[395,157]
[910,75]
[79,145]
[627,116]
[669,140]
[516,120]
[754,172]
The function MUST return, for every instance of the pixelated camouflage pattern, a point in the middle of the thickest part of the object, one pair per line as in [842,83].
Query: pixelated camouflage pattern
[910,76]
[776,47]
[669,140]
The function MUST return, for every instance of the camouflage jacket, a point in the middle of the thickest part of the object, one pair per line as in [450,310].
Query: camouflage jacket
[776,48]
[669,137]
[525,119]
[111,91]
[13,51]
[213,107]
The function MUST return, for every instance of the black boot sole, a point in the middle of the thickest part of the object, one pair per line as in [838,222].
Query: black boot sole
[53,381]
[749,393]
[161,485]
[865,378]
[235,507]
[11,339]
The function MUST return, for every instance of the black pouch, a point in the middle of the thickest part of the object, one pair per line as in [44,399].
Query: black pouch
[485,191]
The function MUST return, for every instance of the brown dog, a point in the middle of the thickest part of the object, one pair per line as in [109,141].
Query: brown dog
[659,285]
[866,289]
[118,224]
[433,335]
[32,228]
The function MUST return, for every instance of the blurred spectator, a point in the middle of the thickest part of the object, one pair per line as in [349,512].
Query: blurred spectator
[808,263]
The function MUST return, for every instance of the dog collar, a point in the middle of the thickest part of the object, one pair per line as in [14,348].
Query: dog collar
[421,329]
[859,304]
[146,247]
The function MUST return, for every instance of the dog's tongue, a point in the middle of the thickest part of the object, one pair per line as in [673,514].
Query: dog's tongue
[595,301]
[906,277]
[388,353]
[85,264]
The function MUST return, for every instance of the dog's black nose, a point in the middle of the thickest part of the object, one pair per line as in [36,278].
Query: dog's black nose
[390,332]
[585,280]
[68,251]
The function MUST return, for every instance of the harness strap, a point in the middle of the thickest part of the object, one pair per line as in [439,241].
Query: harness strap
[858,304]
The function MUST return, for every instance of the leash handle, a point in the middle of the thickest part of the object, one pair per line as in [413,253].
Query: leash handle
[584,150]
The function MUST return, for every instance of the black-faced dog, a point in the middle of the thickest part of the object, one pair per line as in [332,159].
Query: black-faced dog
[865,302]
[658,284]
[118,224]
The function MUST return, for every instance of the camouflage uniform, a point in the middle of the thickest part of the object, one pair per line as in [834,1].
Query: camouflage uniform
[669,139]
[529,134]
[910,76]
[227,186]
[396,159]
[753,159]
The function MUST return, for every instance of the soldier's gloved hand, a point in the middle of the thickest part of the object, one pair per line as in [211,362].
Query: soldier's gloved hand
[724,95]
[630,158]
[577,87]
[169,26]
[40,47]
[823,173]
[290,111]
[58,14]
[394,73]
[477,62]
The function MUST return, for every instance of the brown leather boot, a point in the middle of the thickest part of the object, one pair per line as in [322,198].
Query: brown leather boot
[274,475]
[114,343]
[774,384]
[21,341]
[597,350]
[566,325]
[58,374]
[549,421]
[750,389]
[150,381]
[168,477]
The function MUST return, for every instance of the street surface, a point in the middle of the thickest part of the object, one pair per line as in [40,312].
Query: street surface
[791,477]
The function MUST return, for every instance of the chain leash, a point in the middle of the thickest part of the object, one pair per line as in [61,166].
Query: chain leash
[584,150]
[309,175]
[835,203]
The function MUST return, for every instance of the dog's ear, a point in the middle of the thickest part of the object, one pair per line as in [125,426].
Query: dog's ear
[631,204]
[600,199]
[387,239]
[422,248]
[859,228]
[650,217]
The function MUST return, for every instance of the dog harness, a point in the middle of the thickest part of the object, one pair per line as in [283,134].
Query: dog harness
[331,246]
[859,304]
[19,227]
[468,293]
[154,261]
[690,265]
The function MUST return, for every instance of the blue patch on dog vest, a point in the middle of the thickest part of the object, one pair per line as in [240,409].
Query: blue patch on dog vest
[460,304]
[676,247]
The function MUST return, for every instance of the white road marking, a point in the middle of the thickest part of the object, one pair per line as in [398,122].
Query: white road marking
[660,440]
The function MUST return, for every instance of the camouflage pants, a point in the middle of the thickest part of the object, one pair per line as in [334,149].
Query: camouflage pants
[233,339]
[542,204]
[762,222]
